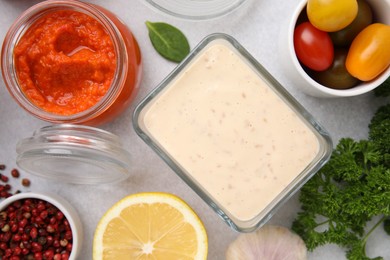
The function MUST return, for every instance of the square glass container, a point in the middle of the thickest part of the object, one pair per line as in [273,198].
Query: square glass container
[232,132]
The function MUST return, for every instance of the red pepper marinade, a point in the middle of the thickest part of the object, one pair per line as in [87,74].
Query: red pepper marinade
[65,62]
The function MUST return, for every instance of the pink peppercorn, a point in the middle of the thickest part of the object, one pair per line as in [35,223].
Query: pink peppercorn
[34,229]
[33,233]
[3,246]
[59,215]
[38,256]
[44,214]
[15,173]
[17,251]
[65,256]
[26,182]
[3,178]
[68,235]
[36,247]
[14,257]
[69,247]
[23,222]
[48,254]
[25,251]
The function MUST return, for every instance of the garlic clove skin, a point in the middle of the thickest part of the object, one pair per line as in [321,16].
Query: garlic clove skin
[268,243]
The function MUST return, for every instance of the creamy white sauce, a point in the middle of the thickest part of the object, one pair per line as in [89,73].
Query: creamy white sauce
[232,134]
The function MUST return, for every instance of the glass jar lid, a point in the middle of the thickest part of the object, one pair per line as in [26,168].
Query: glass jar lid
[74,154]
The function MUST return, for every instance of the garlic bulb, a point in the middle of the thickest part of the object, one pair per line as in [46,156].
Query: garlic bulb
[268,243]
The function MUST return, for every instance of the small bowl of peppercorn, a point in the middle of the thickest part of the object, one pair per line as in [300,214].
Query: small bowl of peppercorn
[39,226]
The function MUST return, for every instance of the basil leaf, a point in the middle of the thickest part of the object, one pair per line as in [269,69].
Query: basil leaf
[168,41]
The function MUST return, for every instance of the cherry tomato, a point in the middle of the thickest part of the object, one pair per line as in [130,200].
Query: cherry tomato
[313,47]
[331,15]
[369,54]
[345,36]
[336,76]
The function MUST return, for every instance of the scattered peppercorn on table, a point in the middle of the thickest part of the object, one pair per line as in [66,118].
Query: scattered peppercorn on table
[257,26]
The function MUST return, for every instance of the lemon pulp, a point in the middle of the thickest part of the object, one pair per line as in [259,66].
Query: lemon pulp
[150,226]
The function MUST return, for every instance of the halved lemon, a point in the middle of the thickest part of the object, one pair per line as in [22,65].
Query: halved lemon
[150,225]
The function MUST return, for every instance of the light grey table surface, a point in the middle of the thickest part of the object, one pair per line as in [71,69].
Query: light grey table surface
[256,25]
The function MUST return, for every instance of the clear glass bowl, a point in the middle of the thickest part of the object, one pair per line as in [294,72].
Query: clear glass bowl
[195,9]
[232,132]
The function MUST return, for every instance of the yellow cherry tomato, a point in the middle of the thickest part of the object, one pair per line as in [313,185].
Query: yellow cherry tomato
[369,53]
[331,15]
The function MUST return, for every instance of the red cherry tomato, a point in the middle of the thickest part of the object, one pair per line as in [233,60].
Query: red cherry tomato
[314,48]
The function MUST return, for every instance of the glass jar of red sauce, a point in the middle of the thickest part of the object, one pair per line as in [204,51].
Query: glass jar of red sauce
[86,72]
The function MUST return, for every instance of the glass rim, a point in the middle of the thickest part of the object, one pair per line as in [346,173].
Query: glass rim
[199,6]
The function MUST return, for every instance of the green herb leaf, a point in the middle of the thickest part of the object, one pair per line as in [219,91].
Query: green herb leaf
[386,225]
[168,41]
[352,188]
[383,90]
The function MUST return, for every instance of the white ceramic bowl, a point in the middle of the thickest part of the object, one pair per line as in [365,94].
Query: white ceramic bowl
[381,10]
[64,206]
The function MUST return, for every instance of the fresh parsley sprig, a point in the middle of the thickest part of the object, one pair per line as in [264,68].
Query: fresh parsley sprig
[348,192]
[383,90]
